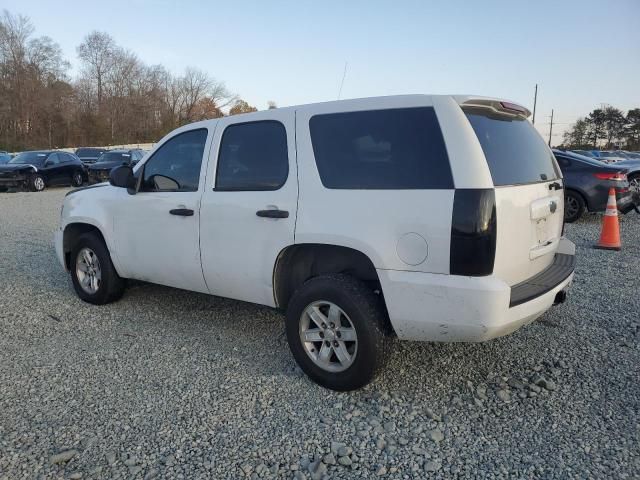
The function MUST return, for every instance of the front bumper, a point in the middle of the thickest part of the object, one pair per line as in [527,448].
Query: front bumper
[58,238]
[452,308]
[13,181]
[98,176]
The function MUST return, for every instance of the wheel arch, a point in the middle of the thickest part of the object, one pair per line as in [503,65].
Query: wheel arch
[298,263]
[585,198]
[73,231]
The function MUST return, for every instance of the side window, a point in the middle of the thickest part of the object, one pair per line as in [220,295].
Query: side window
[253,156]
[53,159]
[175,167]
[398,148]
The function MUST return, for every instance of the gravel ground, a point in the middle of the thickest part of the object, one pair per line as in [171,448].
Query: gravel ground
[171,384]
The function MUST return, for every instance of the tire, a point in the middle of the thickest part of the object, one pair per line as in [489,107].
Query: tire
[36,183]
[574,206]
[108,285]
[360,308]
[76,179]
[634,183]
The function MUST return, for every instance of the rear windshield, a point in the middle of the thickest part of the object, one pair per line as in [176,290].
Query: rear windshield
[89,152]
[381,149]
[515,151]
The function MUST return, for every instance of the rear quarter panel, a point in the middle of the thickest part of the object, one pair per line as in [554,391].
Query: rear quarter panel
[375,221]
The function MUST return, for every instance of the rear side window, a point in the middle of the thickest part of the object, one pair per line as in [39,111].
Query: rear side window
[253,156]
[515,151]
[395,149]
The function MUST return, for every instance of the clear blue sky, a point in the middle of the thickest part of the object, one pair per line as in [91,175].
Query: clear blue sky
[581,53]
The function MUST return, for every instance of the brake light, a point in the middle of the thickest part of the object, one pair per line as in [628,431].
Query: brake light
[473,232]
[616,177]
[513,107]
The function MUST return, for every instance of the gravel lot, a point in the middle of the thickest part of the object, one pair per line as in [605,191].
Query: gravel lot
[171,384]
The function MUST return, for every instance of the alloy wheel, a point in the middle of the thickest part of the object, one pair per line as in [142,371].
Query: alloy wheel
[571,207]
[88,271]
[328,336]
[38,183]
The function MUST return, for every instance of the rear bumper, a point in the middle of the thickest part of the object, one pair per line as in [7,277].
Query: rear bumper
[450,308]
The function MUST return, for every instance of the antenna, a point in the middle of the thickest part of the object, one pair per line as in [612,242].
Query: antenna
[344,74]
[535,100]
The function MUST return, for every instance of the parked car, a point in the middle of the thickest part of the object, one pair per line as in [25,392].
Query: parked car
[434,218]
[99,171]
[4,157]
[587,182]
[39,169]
[606,156]
[90,155]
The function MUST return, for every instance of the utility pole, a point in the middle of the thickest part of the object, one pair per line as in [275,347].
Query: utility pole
[551,127]
[535,100]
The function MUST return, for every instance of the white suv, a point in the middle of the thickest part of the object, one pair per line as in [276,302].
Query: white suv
[433,218]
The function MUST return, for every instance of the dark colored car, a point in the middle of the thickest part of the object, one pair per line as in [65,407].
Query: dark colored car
[90,155]
[99,171]
[39,169]
[587,182]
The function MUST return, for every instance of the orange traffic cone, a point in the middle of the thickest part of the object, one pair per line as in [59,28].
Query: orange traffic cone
[610,235]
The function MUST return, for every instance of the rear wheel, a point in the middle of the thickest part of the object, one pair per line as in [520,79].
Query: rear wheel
[634,183]
[37,183]
[574,206]
[336,329]
[76,179]
[95,280]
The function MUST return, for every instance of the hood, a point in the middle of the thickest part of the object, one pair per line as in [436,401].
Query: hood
[16,167]
[106,165]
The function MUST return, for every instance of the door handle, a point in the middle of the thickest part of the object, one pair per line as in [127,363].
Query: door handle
[273,213]
[182,212]
[555,186]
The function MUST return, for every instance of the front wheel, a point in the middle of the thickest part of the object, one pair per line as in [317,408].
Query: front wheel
[94,277]
[634,184]
[574,206]
[37,183]
[337,331]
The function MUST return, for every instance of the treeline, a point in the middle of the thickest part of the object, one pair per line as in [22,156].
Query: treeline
[608,127]
[115,98]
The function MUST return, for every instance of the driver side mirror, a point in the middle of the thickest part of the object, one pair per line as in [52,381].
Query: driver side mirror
[123,177]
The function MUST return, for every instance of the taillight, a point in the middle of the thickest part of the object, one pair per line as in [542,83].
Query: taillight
[616,177]
[473,232]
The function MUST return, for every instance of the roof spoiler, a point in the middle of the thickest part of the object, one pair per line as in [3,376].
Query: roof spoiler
[499,106]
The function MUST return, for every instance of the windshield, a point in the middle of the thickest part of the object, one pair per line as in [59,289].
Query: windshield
[515,151]
[115,157]
[33,158]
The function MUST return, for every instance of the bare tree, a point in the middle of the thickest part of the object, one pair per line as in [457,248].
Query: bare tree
[96,52]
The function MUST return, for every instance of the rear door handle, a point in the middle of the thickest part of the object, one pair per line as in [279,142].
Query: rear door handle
[182,212]
[555,186]
[273,213]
